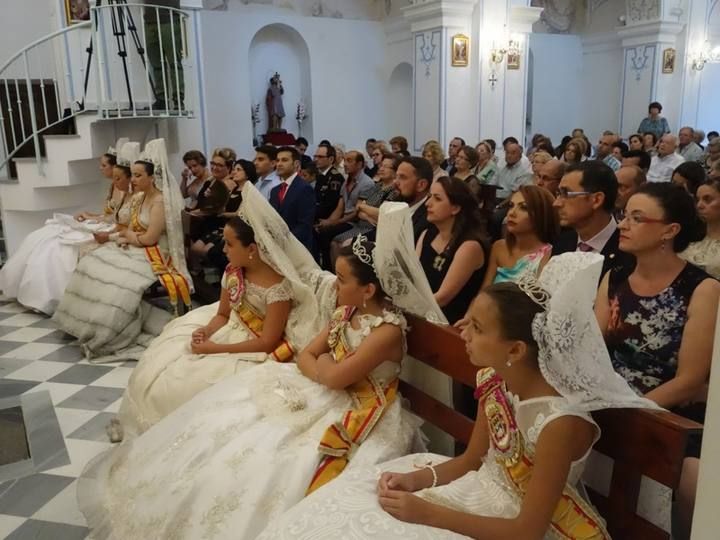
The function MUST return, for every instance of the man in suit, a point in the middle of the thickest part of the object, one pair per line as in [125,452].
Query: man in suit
[412,180]
[585,203]
[328,183]
[294,199]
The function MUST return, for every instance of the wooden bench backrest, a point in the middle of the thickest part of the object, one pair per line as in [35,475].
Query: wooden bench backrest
[641,442]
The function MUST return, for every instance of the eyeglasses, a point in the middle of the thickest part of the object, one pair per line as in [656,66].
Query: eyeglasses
[565,193]
[639,219]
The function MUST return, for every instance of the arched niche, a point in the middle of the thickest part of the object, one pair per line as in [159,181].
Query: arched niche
[400,102]
[280,48]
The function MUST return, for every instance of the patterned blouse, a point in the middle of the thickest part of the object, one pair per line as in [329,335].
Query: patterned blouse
[645,332]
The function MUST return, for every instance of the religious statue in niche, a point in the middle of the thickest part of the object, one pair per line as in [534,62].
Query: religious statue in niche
[274,104]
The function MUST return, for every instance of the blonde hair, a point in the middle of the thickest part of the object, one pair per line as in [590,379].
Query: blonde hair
[579,145]
[436,152]
[542,156]
[227,154]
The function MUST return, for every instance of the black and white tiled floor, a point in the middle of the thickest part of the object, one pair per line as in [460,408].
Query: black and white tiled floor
[36,357]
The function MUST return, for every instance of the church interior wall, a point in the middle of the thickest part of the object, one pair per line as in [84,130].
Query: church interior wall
[557,91]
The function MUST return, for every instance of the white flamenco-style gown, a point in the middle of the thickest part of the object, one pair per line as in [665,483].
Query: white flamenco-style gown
[348,508]
[169,374]
[235,457]
[37,274]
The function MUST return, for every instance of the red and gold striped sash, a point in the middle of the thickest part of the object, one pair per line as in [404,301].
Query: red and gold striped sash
[573,518]
[370,399]
[173,281]
[283,352]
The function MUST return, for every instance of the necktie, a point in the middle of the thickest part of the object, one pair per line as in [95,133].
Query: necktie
[281,193]
[585,248]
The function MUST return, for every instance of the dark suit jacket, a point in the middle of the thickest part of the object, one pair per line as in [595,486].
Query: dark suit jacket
[419,223]
[297,209]
[568,240]
[327,192]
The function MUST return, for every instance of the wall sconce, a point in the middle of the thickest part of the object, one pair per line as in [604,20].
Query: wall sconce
[704,56]
[512,52]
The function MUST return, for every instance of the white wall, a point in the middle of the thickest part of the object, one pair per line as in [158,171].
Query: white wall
[557,72]
[601,86]
[347,67]
[399,99]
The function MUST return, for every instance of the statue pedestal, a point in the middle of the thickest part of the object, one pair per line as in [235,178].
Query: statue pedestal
[279,138]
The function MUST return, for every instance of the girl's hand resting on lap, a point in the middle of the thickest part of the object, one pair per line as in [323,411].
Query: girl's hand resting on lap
[204,347]
[101,237]
[405,506]
[199,335]
[397,481]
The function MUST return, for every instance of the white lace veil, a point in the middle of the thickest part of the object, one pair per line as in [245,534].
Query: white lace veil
[173,202]
[115,150]
[398,267]
[313,290]
[127,153]
[573,357]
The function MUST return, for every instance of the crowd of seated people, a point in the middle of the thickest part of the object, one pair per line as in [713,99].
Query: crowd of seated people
[647,214]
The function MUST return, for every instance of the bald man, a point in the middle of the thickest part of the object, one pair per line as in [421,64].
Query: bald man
[688,148]
[630,178]
[514,173]
[664,163]
[550,175]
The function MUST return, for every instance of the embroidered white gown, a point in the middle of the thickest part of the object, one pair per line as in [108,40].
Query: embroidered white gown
[235,457]
[348,508]
[168,374]
[38,272]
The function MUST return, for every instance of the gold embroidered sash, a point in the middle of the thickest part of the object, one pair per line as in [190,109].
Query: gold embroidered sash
[235,286]
[573,518]
[172,281]
[370,401]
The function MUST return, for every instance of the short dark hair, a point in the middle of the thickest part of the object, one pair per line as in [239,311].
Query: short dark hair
[621,145]
[370,141]
[654,137]
[713,134]
[642,155]
[655,105]
[243,232]
[301,140]
[291,150]
[325,141]
[678,207]
[694,173]
[422,167]
[331,153]
[268,150]
[149,166]
[195,155]
[249,169]
[509,140]
[401,141]
[597,178]
[310,167]
[358,156]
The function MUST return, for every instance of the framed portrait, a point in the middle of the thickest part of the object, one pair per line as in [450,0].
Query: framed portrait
[77,11]
[513,60]
[460,46]
[668,61]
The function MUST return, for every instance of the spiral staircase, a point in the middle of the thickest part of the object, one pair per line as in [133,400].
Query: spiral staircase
[67,97]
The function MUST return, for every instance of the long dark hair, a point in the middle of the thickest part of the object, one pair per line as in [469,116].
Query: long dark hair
[243,232]
[543,216]
[468,224]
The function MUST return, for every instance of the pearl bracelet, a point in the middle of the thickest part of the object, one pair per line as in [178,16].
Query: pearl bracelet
[434,473]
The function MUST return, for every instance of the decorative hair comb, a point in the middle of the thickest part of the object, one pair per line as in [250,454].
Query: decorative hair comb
[360,251]
[530,286]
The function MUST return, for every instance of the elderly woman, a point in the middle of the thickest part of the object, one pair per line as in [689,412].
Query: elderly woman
[537,160]
[653,122]
[486,167]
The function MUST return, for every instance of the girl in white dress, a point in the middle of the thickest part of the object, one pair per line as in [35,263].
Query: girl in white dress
[267,312]
[545,370]
[240,454]
[103,303]
[35,283]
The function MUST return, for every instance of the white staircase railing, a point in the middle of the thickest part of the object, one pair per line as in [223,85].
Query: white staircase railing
[109,64]
[36,92]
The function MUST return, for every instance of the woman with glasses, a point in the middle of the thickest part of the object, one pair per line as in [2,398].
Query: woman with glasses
[706,252]
[465,162]
[658,318]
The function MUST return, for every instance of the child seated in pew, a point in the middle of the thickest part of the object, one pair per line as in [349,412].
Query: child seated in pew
[544,369]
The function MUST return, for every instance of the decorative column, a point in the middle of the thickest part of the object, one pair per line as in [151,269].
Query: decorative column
[444,98]
[653,66]
[503,73]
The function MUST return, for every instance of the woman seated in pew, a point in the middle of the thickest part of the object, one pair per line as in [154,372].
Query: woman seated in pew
[452,250]
[193,176]
[705,254]
[210,247]
[266,312]
[64,239]
[240,454]
[658,318]
[518,477]
[532,225]
[103,303]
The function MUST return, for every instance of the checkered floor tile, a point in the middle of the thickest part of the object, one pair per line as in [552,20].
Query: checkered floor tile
[34,357]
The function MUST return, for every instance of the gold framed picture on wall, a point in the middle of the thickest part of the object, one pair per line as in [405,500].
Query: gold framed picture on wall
[513,60]
[460,47]
[668,61]
[77,11]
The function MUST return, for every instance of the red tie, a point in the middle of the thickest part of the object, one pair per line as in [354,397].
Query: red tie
[582,246]
[281,193]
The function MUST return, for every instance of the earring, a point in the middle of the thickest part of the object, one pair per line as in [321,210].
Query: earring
[250,257]
[508,364]
[364,303]
[662,246]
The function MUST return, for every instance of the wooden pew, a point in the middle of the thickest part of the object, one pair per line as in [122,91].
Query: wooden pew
[641,442]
